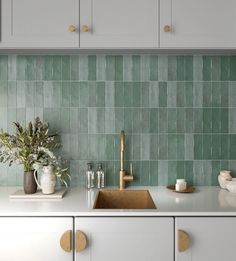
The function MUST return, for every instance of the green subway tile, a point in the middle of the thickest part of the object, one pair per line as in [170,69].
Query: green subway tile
[101,67]
[216,68]
[181,120]
[96,120]
[117,146]
[110,68]
[216,146]
[52,68]
[3,117]
[52,94]
[74,115]
[11,69]
[75,147]
[30,94]
[172,68]
[162,141]
[119,68]
[197,94]
[109,94]
[188,172]
[189,94]
[83,120]
[137,124]
[128,67]
[65,94]
[163,173]
[153,173]
[225,68]
[30,69]
[136,94]
[110,173]
[21,116]
[3,93]
[216,94]
[136,147]
[224,164]
[110,147]
[119,94]
[207,120]
[119,119]
[39,92]
[128,94]
[232,68]
[109,120]
[198,174]
[171,94]
[188,68]
[232,94]
[145,94]
[145,174]
[92,94]
[66,67]
[232,120]
[224,120]
[207,94]
[162,120]
[65,120]
[180,68]
[154,147]
[128,120]
[180,147]
[52,116]
[232,147]
[189,120]
[11,95]
[172,172]
[197,68]
[172,120]
[92,67]
[4,67]
[189,146]
[153,68]
[162,94]
[137,169]
[128,147]
[154,120]
[198,147]
[162,68]
[224,147]
[153,95]
[180,102]
[207,146]
[83,68]
[145,119]
[172,147]
[180,169]
[224,94]
[145,147]
[207,68]
[136,68]
[216,119]
[215,166]
[83,92]
[207,171]
[74,67]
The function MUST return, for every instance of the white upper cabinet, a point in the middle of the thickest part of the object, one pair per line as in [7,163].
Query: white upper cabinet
[210,239]
[126,238]
[40,23]
[119,23]
[198,23]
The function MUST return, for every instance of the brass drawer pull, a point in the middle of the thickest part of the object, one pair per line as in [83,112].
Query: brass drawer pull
[80,241]
[66,240]
[183,240]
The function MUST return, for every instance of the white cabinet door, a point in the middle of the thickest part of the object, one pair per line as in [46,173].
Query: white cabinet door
[39,23]
[134,239]
[211,238]
[33,239]
[119,23]
[198,23]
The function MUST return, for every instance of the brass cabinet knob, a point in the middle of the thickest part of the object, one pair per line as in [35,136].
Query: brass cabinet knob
[66,241]
[72,28]
[80,241]
[85,28]
[183,240]
[166,28]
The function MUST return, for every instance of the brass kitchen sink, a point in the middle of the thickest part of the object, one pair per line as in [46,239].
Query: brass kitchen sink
[124,199]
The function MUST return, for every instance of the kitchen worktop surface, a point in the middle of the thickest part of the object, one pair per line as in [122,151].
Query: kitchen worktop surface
[206,201]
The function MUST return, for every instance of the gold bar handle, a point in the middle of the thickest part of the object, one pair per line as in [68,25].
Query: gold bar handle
[80,241]
[183,240]
[66,241]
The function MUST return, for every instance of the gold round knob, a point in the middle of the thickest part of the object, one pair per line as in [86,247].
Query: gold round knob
[85,28]
[72,28]
[166,28]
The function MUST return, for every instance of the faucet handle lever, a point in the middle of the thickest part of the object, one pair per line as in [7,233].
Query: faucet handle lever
[131,168]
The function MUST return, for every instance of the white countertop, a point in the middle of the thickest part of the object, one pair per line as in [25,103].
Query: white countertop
[206,201]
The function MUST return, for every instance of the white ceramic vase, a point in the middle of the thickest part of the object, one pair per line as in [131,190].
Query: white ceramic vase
[47,180]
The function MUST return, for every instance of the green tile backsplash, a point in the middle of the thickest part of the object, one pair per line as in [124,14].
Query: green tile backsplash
[178,112]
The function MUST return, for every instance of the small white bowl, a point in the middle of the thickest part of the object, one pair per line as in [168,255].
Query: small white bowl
[231,186]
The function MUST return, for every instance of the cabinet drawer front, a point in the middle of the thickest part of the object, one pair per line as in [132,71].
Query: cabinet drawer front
[211,238]
[118,239]
[34,239]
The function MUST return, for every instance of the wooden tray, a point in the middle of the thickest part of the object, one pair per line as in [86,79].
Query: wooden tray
[189,189]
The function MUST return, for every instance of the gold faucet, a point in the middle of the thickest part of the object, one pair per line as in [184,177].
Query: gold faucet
[123,177]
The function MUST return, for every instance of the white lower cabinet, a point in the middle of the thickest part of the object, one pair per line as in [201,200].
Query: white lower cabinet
[126,238]
[34,239]
[210,238]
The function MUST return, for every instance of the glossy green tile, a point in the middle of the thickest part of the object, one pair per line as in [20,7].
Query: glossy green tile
[232,94]
[153,95]
[172,120]
[216,146]
[153,173]
[52,68]
[188,94]
[180,68]
[207,146]
[136,147]
[180,169]
[154,120]
[92,67]
[162,173]
[128,148]
[145,174]
[83,120]
[65,94]
[83,68]
[96,120]
[232,147]
[163,147]
[207,94]
[11,95]
[189,146]
[188,68]
[3,93]
[172,172]
[224,147]
[74,67]
[207,171]
[109,94]
[207,68]
[198,94]
[197,68]
[65,120]
[137,124]
[188,120]
[232,68]
[154,147]
[110,68]
[180,99]
[207,120]
[128,67]
[11,68]
[145,147]
[198,174]
[52,94]
[216,168]
[216,94]
[4,67]
[119,94]
[136,68]
[198,147]
[162,120]
[110,173]
[224,120]
[153,68]
[83,91]
[66,67]
[145,94]
[216,120]
[109,120]
[216,68]
[119,119]
[224,94]
[225,68]
[162,68]
[128,120]
[128,94]
[136,94]
[180,147]
[109,147]
[101,67]
[188,172]
[172,146]
[172,94]
[162,94]
[172,68]
[145,119]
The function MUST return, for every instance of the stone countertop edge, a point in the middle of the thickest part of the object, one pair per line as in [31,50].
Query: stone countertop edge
[78,202]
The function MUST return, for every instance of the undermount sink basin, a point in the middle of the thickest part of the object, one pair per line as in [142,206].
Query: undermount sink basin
[124,199]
